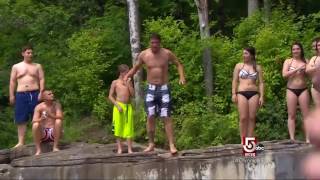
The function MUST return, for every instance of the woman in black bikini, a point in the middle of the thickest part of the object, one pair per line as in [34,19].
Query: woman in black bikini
[313,69]
[297,92]
[245,92]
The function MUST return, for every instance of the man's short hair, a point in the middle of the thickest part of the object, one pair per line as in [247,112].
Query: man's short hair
[26,47]
[47,90]
[316,39]
[155,36]
[123,68]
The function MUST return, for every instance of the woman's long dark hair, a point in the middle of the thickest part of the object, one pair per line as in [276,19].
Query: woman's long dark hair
[302,51]
[317,42]
[252,52]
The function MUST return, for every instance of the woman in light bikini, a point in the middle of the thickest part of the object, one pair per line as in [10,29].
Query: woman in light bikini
[313,69]
[297,91]
[246,93]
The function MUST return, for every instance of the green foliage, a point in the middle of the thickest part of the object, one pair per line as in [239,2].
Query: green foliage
[7,128]
[199,127]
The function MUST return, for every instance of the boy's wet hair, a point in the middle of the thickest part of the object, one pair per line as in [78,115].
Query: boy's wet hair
[26,47]
[123,68]
[155,36]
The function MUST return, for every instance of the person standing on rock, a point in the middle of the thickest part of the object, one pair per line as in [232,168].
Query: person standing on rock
[294,71]
[119,94]
[248,91]
[313,70]
[47,122]
[30,79]
[158,97]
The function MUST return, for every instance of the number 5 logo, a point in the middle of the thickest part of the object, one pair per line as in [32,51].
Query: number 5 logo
[249,145]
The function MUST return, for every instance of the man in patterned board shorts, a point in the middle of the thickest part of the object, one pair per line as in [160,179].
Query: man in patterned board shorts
[158,99]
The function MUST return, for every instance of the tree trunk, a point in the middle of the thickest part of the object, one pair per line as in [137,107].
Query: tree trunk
[221,16]
[267,9]
[133,14]
[253,5]
[202,7]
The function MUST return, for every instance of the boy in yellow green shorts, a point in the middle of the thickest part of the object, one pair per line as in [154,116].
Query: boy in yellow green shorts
[120,93]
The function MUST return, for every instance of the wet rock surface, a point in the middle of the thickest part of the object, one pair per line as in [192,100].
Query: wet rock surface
[280,159]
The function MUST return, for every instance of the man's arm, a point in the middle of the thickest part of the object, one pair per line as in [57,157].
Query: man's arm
[174,59]
[12,86]
[135,68]
[36,114]
[41,81]
[130,86]
[59,112]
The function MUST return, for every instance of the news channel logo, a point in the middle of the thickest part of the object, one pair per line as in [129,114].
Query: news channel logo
[251,147]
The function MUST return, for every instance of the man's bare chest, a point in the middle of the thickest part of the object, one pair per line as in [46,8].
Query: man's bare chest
[29,70]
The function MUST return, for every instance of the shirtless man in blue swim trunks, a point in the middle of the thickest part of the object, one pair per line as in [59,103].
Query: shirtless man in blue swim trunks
[30,79]
[158,97]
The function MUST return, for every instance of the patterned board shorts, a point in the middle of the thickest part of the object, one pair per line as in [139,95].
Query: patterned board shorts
[47,135]
[158,100]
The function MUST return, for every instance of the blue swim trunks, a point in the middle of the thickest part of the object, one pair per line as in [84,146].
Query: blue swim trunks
[24,106]
[158,100]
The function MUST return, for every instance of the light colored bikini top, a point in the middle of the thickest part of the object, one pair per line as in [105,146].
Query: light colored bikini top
[292,67]
[314,62]
[244,74]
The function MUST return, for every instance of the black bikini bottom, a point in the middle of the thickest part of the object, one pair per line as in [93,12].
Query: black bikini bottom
[248,94]
[297,92]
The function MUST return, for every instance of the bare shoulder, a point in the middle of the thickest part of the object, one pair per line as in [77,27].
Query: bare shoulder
[313,58]
[114,82]
[40,106]
[144,53]
[37,65]
[287,60]
[238,65]
[57,104]
[166,50]
[259,67]
[16,66]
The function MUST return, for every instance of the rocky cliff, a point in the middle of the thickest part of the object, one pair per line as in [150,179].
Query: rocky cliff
[280,159]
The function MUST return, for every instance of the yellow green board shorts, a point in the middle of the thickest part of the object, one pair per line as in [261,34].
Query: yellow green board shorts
[123,121]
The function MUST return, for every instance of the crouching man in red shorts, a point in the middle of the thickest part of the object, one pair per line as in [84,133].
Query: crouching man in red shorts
[47,122]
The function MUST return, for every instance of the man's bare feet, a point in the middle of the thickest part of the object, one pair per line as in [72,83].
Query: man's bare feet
[119,151]
[130,151]
[173,149]
[55,149]
[292,141]
[37,153]
[150,148]
[17,145]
